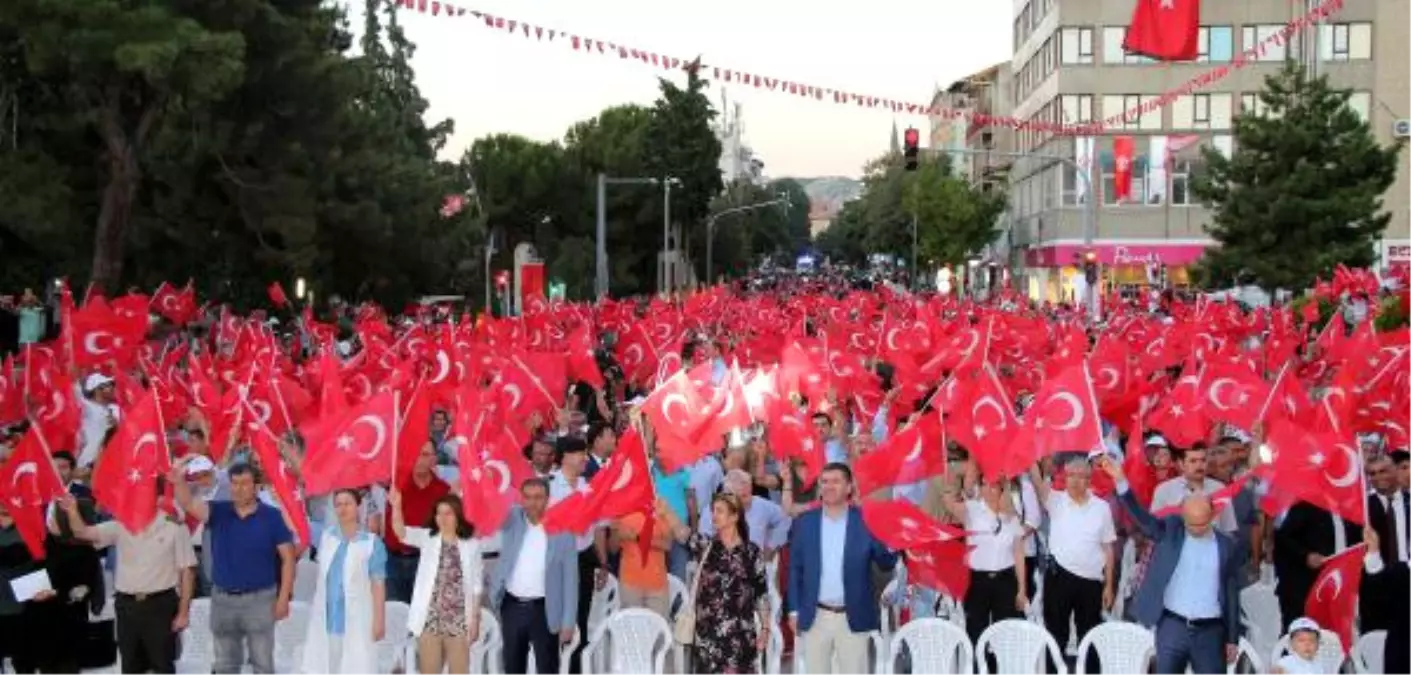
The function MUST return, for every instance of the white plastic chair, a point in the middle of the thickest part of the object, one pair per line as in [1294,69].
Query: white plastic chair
[565,654]
[890,612]
[397,647]
[1122,647]
[487,653]
[1329,655]
[1247,654]
[679,596]
[197,645]
[1259,612]
[289,636]
[605,602]
[305,580]
[630,641]
[1019,646]
[935,646]
[1369,652]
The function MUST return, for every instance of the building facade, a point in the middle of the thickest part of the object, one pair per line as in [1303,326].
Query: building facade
[1068,67]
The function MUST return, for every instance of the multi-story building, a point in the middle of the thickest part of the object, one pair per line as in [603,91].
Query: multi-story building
[738,161]
[1069,67]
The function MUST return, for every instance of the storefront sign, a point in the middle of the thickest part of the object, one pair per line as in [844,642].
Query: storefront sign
[1116,255]
[1395,253]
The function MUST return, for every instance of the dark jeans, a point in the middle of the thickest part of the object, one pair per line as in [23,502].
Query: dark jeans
[145,639]
[1067,595]
[401,576]
[525,626]
[587,568]
[990,598]
[1200,645]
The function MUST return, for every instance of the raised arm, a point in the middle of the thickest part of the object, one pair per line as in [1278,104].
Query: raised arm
[1150,525]
[181,491]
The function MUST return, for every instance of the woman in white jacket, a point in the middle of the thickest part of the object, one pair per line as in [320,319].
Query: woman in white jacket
[445,611]
[347,617]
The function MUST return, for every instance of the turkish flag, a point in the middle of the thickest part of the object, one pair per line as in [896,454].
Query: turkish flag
[940,566]
[356,450]
[624,487]
[1063,418]
[899,525]
[1332,601]
[1141,477]
[982,419]
[1234,394]
[124,482]
[28,482]
[913,454]
[1122,150]
[1323,469]
[679,418]
[266,447]
[1166,30]
[276,295]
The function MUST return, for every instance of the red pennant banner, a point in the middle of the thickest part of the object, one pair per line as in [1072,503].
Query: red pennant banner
[1325,9]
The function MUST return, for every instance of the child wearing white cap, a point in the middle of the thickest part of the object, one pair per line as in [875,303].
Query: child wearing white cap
[1302,658]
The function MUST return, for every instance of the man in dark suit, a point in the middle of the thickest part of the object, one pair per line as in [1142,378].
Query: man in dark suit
[1190,595]
[1389,515]
[831,554]
[1302,542]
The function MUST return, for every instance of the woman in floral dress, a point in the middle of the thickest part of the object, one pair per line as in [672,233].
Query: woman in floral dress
[732,599]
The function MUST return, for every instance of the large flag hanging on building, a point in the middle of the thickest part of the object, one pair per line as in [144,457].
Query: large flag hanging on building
[1166,30]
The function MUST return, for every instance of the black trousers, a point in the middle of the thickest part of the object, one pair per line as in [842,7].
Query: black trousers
[990,598]
[146,642]
[525,626]
[587,568]
[1069,595]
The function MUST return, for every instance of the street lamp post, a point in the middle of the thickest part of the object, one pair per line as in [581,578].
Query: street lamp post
[601,286]
[666,280]
[710,228]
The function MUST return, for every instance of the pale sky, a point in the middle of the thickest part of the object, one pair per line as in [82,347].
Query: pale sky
[490,82]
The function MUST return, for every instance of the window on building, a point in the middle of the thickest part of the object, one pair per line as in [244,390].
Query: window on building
[1361,103]
[1201,111]
[1109,181]
[1077,45]
[1251,104]
[1181,183]
[1215,44]
[1076,108]
[1345,41]
[1251,37]
[1130,106]
[1112,52]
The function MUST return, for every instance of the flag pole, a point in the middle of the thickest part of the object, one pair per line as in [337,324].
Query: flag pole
[396,432]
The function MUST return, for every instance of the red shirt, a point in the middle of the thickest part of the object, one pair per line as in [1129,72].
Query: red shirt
[417,505]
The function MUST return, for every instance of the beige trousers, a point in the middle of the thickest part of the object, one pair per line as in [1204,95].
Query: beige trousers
[830,637]
[434,652]
[657,601]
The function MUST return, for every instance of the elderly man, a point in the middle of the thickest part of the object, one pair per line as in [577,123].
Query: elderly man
[1191,592]
[769,527]
[1081,578]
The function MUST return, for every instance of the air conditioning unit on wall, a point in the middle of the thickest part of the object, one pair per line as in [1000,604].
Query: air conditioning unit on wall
[1401,128]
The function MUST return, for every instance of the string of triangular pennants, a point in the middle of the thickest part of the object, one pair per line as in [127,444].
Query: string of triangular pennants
[584,43]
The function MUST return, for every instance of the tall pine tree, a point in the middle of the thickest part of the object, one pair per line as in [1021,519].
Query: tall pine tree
[1302,191]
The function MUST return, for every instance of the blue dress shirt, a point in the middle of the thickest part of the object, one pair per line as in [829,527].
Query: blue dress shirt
[833,535]
[1194,591]
[333,590]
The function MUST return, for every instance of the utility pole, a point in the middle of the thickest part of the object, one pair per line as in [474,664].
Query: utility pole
[710,229]
[600,286]
[667,282]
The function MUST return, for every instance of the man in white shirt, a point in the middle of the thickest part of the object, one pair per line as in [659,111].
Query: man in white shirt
[1193,480]
[536,589]
[593,546]
[1080,581]
[100,413]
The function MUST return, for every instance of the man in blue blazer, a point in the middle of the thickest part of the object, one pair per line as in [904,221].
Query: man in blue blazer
[1191,593]
[535,586]
[831,554]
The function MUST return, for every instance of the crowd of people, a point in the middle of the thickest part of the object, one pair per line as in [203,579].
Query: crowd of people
[876,473]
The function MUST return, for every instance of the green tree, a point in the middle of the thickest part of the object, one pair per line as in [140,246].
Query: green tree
[131,70]
[954,218]
[800,229]
[888,224]
[844,240]
[612,143]
[1302,191]
[681,143]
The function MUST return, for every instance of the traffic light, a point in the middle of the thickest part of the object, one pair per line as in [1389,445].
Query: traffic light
[1090,267]
[910,147]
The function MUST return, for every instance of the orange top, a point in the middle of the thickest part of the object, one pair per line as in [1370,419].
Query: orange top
[651,574]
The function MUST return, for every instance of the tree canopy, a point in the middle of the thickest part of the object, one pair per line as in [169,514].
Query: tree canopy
[954,219]
[1302,191]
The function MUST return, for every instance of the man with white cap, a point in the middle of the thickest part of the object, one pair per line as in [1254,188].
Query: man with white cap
[100,414]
